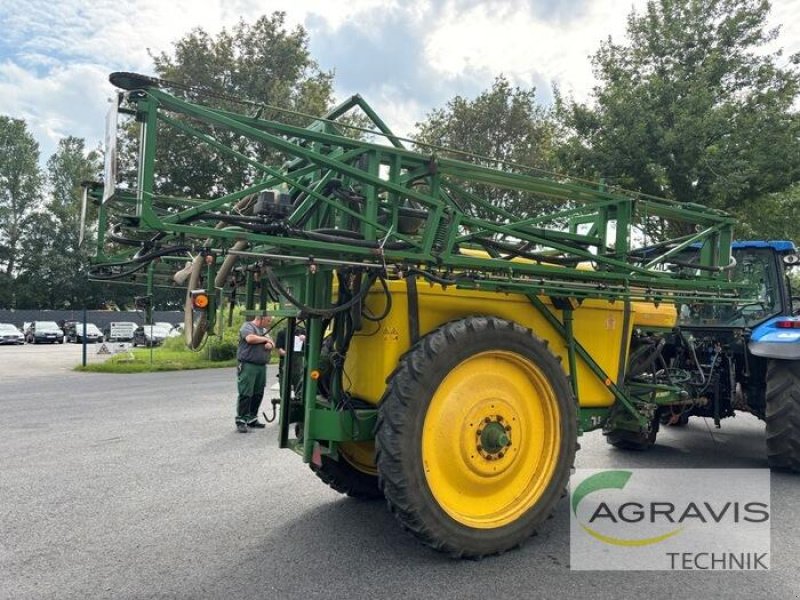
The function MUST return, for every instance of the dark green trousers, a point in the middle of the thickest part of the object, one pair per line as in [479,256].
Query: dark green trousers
[297,375]
[250,381]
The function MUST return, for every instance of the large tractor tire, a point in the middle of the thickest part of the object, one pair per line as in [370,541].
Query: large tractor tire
[354,474]
[633,440]
[476,437]
[681,421]
[783,415]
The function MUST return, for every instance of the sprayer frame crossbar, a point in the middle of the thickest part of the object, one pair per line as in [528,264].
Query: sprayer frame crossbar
[461,231]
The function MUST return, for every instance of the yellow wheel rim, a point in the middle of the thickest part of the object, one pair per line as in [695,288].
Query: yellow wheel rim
[491,439]
[360,455]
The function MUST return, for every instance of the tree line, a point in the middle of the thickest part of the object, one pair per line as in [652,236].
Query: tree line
[691,106]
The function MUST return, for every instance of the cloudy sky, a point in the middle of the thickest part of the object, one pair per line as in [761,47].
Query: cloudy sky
[405,57]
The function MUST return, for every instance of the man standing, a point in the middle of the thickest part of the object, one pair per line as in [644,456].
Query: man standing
[253,355]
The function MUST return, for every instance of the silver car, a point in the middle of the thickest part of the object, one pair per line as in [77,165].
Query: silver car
[150,335]
[76,333]
[9,334]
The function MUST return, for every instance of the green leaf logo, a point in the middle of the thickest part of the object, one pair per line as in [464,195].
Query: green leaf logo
[599,481]
[611,480]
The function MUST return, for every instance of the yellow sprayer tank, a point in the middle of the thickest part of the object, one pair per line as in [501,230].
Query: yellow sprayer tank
[599,326]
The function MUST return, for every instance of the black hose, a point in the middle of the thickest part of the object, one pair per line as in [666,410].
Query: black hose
[114,236]
[387,309]
[137,258]
[337,239]
[236,219]
[432,277]
[320,312]
[344,233]
[257,224]
[140,261]
[516,251]
[111,277]
[346,195]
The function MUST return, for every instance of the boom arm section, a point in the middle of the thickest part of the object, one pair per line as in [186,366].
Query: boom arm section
[328,197]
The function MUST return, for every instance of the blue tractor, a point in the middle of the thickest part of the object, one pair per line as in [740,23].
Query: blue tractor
[729,357]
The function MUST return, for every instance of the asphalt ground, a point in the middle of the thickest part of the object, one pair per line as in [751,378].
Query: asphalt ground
[137,486]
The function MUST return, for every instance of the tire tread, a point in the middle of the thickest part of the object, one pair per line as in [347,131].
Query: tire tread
[346,479]
[783,415]
[395,424]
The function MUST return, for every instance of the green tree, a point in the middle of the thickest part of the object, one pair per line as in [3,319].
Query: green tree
[502,127]
[34,283]
[20,189]
[261,63]
[692,107]
[53,265]
[774,216]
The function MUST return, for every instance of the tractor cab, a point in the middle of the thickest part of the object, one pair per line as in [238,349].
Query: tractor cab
[760,268]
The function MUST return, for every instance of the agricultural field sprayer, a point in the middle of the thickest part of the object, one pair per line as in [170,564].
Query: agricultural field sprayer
[465,323]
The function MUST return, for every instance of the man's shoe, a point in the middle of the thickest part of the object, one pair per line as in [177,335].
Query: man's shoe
[256,424]
[241,427]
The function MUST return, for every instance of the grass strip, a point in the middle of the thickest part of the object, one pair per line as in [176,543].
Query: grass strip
[163,359]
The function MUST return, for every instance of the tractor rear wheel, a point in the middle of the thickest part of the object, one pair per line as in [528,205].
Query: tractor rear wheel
[476,437]
[354,474]
[783,415]
[681,421]
[633,440]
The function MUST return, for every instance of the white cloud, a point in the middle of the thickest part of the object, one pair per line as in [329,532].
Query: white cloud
[521,45]
[70,100]
[55,56]
[119,33]
[487,40]
[786,13]
[335,14]
[399,111]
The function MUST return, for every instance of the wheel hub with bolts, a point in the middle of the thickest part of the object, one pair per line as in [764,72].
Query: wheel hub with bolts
[493,437]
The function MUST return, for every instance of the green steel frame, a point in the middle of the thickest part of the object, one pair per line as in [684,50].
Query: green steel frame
[367,206]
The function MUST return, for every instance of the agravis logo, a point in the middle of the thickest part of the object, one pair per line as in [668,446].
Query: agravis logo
[604,481]
[670,519]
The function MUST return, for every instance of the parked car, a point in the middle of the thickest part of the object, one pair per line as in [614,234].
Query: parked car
[9,334]
[150,335]
[47,332]
[76,333]
[120,331]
